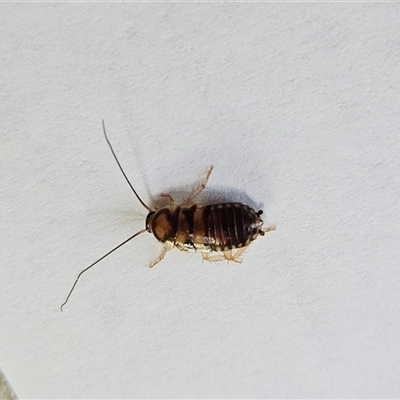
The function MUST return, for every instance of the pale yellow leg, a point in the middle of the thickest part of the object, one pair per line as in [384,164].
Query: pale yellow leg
[270,228]
[170,199]
[196,191]
[160,257]
[238,253]
[226,255]
[216,257]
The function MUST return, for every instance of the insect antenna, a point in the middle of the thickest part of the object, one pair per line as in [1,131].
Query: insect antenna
[101,258]
[123,173]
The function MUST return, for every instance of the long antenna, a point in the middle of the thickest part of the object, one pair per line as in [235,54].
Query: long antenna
[101,258]
[123,173]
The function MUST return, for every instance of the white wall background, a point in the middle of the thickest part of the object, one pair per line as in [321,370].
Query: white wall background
[296,105]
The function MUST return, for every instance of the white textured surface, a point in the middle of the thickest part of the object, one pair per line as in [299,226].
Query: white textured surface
[296,105]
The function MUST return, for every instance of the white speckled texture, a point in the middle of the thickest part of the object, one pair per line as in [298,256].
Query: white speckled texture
[297,105]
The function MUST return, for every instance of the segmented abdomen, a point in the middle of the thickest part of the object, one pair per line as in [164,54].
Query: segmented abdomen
[216,227]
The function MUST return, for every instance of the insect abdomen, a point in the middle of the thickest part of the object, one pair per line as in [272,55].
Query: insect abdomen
[216,227]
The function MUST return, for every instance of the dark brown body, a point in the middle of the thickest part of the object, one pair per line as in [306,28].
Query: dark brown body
[205,227]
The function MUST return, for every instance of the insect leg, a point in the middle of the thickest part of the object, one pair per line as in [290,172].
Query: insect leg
[170,199]
[196,191]
[238,253]
[217,257]
[160,257]
[265,230]
[226,255]
[234,257]
[229,256]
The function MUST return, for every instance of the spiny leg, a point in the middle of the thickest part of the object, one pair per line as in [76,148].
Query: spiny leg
[226,255]
[160,257]
[231,257]
[238,253]
[196,191]
[217,257]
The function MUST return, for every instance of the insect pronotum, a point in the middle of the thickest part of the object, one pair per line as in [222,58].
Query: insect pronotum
[224,229]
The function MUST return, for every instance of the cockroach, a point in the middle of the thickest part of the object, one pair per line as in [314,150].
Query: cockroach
[220,231]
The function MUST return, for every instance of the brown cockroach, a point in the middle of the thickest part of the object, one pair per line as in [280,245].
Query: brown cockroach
[226,229]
